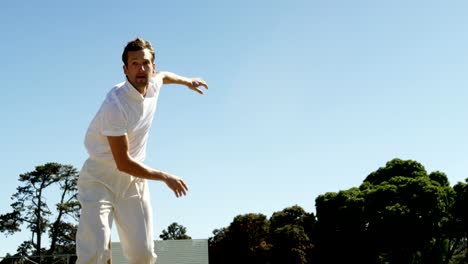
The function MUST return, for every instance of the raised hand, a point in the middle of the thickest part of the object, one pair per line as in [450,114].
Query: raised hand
[196,83]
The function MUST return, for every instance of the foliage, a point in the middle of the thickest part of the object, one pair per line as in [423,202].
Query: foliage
[31,210]
[399,214]
[244,241]
[341,227]
[290,235]
[252,238]
[407,212]
[174,231]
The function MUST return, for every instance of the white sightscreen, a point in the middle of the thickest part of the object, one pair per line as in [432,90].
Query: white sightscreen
[187,251]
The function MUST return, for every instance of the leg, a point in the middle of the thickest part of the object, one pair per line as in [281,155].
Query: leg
[110,249]
[134,221]
[94,229]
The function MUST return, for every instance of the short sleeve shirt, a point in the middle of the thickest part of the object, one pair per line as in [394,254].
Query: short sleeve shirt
[124,112]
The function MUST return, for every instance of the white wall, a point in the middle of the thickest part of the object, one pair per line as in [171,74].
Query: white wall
[171,251]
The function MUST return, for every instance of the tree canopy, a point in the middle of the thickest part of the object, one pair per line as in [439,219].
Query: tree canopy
[31,210]
[400,213]
[174,231]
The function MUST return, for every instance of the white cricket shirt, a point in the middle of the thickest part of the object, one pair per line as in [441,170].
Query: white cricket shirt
[124,112]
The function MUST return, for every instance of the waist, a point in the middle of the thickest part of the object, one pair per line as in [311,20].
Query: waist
[105,162]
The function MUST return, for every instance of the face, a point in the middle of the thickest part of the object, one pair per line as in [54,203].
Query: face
[139,68]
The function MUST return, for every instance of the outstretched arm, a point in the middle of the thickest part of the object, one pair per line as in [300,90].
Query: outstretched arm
[191,83]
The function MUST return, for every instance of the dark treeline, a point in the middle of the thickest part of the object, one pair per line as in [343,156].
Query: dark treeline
[399,214]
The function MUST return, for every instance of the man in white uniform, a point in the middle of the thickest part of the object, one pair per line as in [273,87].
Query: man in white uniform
[112,183]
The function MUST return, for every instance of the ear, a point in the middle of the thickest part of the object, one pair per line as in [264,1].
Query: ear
[125,69]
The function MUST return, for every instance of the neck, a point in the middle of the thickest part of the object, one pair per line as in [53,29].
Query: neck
[140,89]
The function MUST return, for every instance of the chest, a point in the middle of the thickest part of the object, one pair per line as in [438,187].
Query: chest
[140,115]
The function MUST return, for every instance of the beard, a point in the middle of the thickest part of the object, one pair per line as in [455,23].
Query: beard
[139,82]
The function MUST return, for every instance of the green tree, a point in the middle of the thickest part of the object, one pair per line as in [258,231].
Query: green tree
[294,215]
[30,209]
[399,214]
[407,212]
[244,241]
[174,231]
[217,245]
[290,244]
[290,232]
[342,236]
[458,228]
[61,232]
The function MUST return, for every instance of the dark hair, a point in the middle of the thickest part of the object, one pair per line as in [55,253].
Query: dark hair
[135,45]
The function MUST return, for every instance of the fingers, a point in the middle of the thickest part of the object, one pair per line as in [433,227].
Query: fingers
[202,83]
[180,192]
[197,90]
[184,185]
[180,189]
[177,185]
[196,82]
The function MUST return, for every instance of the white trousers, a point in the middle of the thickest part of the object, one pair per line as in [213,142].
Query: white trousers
[107,194]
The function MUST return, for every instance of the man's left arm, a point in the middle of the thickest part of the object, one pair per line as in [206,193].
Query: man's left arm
[191,83]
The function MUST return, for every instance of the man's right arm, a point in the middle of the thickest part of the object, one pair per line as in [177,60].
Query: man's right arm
[125,163]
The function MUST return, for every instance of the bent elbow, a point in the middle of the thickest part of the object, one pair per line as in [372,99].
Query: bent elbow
[123,166]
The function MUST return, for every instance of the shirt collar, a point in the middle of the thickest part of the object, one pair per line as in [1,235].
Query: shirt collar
[133,92]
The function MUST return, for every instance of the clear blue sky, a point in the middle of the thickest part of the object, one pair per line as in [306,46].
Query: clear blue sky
[306,97]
